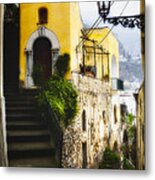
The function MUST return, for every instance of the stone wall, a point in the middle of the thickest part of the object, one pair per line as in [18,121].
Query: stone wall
[3,150]
[141,105]
[93,130]
[115,120]
[141,129]
[3,155]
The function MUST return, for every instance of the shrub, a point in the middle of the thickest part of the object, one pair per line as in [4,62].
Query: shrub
[130,118]
[110,160]
[127,164]
[60,96]
[62,64]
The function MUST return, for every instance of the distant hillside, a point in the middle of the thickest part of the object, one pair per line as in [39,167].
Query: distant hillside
[131,72]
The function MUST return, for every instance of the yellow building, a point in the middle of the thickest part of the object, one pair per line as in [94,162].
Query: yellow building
[47,30]
[45,33]
[107,57]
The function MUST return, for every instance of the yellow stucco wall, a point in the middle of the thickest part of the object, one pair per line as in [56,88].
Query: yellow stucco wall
[110,44]
[75,30]
[63,19]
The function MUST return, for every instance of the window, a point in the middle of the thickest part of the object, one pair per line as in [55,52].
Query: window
[42,16]
[115,146]
[125,136]
[115,114]
[102,70]
[84,120]
[104,118]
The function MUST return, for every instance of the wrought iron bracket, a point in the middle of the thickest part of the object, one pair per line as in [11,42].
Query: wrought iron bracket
[127,21]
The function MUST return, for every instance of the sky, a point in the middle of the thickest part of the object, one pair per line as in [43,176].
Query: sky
[129,37]
[89,13]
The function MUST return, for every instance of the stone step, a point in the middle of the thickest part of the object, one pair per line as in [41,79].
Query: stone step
[27,153]
[10,88]
[20,108]
[21,93]
[22,117]
[25,125]
[22,146]
[27,132]
[19,98]
[28,136]
[29,91]
[13,110]
[42,162]
[20,103]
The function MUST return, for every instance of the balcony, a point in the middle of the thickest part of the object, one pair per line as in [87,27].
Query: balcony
[117,84]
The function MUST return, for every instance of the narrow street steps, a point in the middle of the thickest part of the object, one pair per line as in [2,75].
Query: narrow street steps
[28,138]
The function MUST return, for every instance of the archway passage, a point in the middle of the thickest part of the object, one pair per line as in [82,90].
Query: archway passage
[42,56]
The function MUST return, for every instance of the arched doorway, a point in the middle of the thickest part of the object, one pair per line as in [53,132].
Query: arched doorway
[41,41]
[84,155]
[42,56]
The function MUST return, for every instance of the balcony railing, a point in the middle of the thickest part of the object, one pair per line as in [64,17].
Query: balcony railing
[117,84]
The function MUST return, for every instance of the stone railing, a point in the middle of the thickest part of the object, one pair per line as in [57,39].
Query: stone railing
[89,84]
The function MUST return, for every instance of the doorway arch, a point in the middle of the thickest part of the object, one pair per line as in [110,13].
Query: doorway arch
[50,40]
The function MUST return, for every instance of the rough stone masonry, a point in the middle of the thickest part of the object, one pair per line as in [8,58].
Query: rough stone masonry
[85,140]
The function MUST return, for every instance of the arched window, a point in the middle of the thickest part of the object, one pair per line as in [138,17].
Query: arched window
[84,120]
[115,146]
[115,114]
[104,117]
[125,137]
[43,15]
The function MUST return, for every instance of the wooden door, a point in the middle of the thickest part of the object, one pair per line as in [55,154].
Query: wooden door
[42,56]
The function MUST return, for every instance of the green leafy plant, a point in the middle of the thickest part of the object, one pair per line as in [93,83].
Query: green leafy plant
[129,147]
[110,160]
[127,164]
[62,64]
[61,96]
[130,126]
[130,118]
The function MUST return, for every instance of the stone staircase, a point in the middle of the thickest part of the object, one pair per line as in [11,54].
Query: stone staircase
[28,138]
